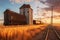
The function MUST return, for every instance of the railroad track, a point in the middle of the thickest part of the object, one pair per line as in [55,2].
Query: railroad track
[49,33]
[52,34]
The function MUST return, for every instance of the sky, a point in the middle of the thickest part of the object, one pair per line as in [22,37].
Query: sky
[14,5]
[41,8]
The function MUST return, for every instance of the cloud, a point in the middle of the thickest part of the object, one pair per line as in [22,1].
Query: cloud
[28,0]
[15,1]
[20,1]
[55,9]
[54,3]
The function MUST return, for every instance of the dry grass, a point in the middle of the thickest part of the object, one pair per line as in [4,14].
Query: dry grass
[17,32]
[57,26]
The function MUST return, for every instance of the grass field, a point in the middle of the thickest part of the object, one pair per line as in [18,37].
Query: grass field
[57,26]
[20,32]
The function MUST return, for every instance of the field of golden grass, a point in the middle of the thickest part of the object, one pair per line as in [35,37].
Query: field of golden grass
[20,32]
[57,26]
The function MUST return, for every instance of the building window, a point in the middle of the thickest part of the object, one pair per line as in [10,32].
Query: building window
[27,11]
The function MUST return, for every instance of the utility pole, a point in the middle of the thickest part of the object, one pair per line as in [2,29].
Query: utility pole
[52,16]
